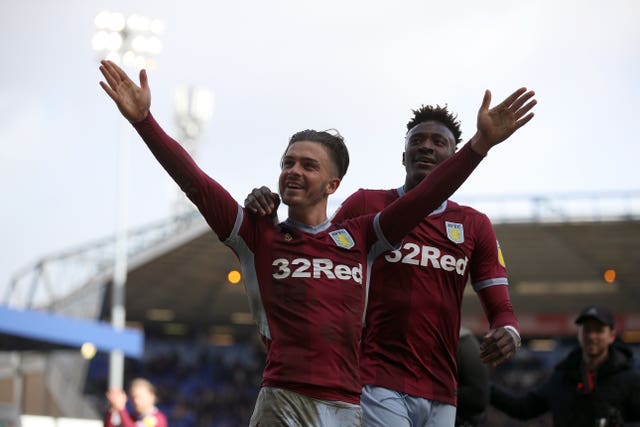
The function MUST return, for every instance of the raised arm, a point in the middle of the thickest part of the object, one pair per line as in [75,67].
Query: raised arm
[118,415]
[133,101]
[494,126]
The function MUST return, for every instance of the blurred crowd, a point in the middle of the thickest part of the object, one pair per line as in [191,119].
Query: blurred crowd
[197,384]
[202,385]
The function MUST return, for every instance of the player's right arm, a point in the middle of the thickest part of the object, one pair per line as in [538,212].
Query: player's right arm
[494,125]
[133,101]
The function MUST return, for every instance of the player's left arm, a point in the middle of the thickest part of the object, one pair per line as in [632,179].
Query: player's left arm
[353,207]
[489,278]
[501,342]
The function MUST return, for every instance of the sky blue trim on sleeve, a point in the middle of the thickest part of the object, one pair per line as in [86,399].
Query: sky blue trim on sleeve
[379,247]
[248,268]
[238,223]
[477,286]
[382,244]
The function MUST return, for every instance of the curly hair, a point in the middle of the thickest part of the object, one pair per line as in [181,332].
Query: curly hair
[329,138]
[438,114]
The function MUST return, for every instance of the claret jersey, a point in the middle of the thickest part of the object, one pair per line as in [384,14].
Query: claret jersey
[307,289]
[412,323]
[307,286]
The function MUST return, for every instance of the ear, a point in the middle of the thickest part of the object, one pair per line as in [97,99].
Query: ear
[612,336]
[332,185]
[454,147]
[403,163]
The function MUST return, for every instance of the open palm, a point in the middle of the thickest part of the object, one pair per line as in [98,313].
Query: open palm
[132,100]
[498,123]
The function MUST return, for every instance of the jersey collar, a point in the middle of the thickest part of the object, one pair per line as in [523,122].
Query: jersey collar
[311,229]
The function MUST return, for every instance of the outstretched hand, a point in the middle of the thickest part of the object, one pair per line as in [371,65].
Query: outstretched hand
[262,201]
[132,100]
[500,122]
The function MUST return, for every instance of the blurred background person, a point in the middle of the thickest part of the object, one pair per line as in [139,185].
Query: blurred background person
[595,385]
[143,403]
[473,382]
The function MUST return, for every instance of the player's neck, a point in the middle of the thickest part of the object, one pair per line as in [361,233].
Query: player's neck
[309,215]
[410,183]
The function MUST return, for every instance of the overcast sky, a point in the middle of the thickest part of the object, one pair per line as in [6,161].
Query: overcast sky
[276,67]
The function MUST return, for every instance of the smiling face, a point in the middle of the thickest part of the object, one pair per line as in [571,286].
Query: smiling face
[595,339]
[308,175]
[426,145]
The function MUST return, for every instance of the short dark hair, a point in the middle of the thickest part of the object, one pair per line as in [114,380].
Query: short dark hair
[329,138]
[438,114]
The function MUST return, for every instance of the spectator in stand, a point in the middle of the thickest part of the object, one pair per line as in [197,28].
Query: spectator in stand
[143,401]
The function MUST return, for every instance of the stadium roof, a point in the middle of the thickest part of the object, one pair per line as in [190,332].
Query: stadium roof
[177,272]
[554,268]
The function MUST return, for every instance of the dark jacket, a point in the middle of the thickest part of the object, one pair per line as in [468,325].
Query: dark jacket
[473,382]
[615,397]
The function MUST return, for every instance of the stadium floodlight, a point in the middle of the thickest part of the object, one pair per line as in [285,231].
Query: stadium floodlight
[130,42]
[88,351]
[193,108]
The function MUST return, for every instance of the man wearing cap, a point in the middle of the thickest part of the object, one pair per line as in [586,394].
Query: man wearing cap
[595,385]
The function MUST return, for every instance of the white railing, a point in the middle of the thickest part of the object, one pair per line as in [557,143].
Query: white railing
[58,276]
[569,207]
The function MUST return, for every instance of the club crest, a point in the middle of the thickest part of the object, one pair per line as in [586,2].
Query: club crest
[455,232]
[342,238]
